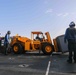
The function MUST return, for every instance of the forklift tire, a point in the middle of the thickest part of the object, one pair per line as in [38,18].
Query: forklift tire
[47,48]
[17,48]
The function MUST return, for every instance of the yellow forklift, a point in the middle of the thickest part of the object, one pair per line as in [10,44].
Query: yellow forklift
[21,44]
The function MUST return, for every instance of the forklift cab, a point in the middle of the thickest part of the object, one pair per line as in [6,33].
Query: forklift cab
[37,36]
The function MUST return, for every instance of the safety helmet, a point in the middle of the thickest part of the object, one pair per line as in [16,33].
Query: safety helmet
[72,24]
[8,32]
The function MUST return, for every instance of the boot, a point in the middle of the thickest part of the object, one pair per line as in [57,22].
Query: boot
[69,61]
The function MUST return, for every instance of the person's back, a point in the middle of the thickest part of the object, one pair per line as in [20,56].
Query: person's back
[73,32]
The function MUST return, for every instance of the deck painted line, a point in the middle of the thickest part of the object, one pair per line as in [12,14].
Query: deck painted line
[48,68]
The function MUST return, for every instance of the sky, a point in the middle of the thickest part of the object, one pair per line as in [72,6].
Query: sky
[23,16]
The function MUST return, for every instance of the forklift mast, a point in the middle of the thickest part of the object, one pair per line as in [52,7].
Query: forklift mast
[48,37]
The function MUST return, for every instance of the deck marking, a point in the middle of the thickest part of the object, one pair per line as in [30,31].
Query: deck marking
[48,68]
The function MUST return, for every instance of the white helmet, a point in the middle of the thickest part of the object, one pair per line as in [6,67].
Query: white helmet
[72,24]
